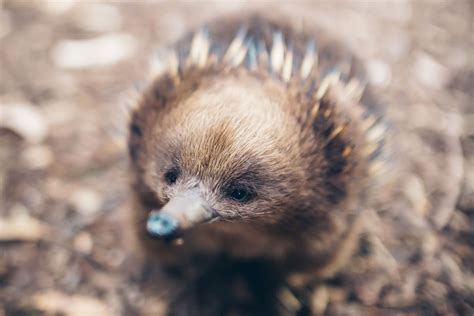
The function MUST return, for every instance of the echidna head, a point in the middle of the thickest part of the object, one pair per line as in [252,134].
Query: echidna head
[229,151]
[263,142]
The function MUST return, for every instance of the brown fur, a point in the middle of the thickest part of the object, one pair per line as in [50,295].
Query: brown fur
[220,125]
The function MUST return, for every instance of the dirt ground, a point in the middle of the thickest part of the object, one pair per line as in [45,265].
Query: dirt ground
[66,71]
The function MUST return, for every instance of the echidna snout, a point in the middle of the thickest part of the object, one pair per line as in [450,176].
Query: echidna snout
[183,211]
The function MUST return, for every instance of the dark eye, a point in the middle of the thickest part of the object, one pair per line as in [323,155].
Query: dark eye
[240,194]
[136,130]
[171,176]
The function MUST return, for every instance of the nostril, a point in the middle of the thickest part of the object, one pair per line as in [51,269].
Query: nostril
[161,224]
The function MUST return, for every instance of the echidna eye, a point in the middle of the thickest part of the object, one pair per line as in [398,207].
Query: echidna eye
[240,194]
[171,176]
[136,130]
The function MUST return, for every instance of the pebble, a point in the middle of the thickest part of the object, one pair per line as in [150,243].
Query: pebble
[37,157]
[86,201]
[25,120]
[20,226]
[100,51]
[98,17]
[379,72]
[319,300]
[415,191]
[429,72]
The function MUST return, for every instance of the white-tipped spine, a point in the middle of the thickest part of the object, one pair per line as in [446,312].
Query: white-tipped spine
[288,65]
[158,64]
[240,54]
[235,46]
[278,52]
[204,49]
[199,48]
[368,122]
[173,65]
[309,61]
[354,89]
[336,132]
[329,80]
[262,54]
[376,133]
[252,55]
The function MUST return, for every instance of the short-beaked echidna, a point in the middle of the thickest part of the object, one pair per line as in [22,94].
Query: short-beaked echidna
[255,145]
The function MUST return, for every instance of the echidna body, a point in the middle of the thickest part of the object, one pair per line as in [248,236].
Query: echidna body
[254,142]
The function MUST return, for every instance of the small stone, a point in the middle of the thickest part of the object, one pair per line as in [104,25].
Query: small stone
[429,72]
[415,192]
[86,201]
[83,243]
[100,51]
[319,300]
[37,157]
[25,120]
[20,226]
[379,72]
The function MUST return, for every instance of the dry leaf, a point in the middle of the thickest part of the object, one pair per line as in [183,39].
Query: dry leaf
[54,302]
[21,227]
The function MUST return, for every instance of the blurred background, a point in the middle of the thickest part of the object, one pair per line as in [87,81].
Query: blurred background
[67,69]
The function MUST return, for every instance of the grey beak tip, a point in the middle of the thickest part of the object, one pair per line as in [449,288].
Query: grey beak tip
[161,224]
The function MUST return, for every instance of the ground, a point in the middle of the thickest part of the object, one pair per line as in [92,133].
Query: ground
[67,69]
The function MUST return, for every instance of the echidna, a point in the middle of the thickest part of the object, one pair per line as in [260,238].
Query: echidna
[256,145]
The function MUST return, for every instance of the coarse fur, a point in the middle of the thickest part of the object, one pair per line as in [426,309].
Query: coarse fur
[253,103]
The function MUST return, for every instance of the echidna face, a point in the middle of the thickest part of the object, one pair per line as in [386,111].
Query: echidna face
[228,151]
[259,127]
